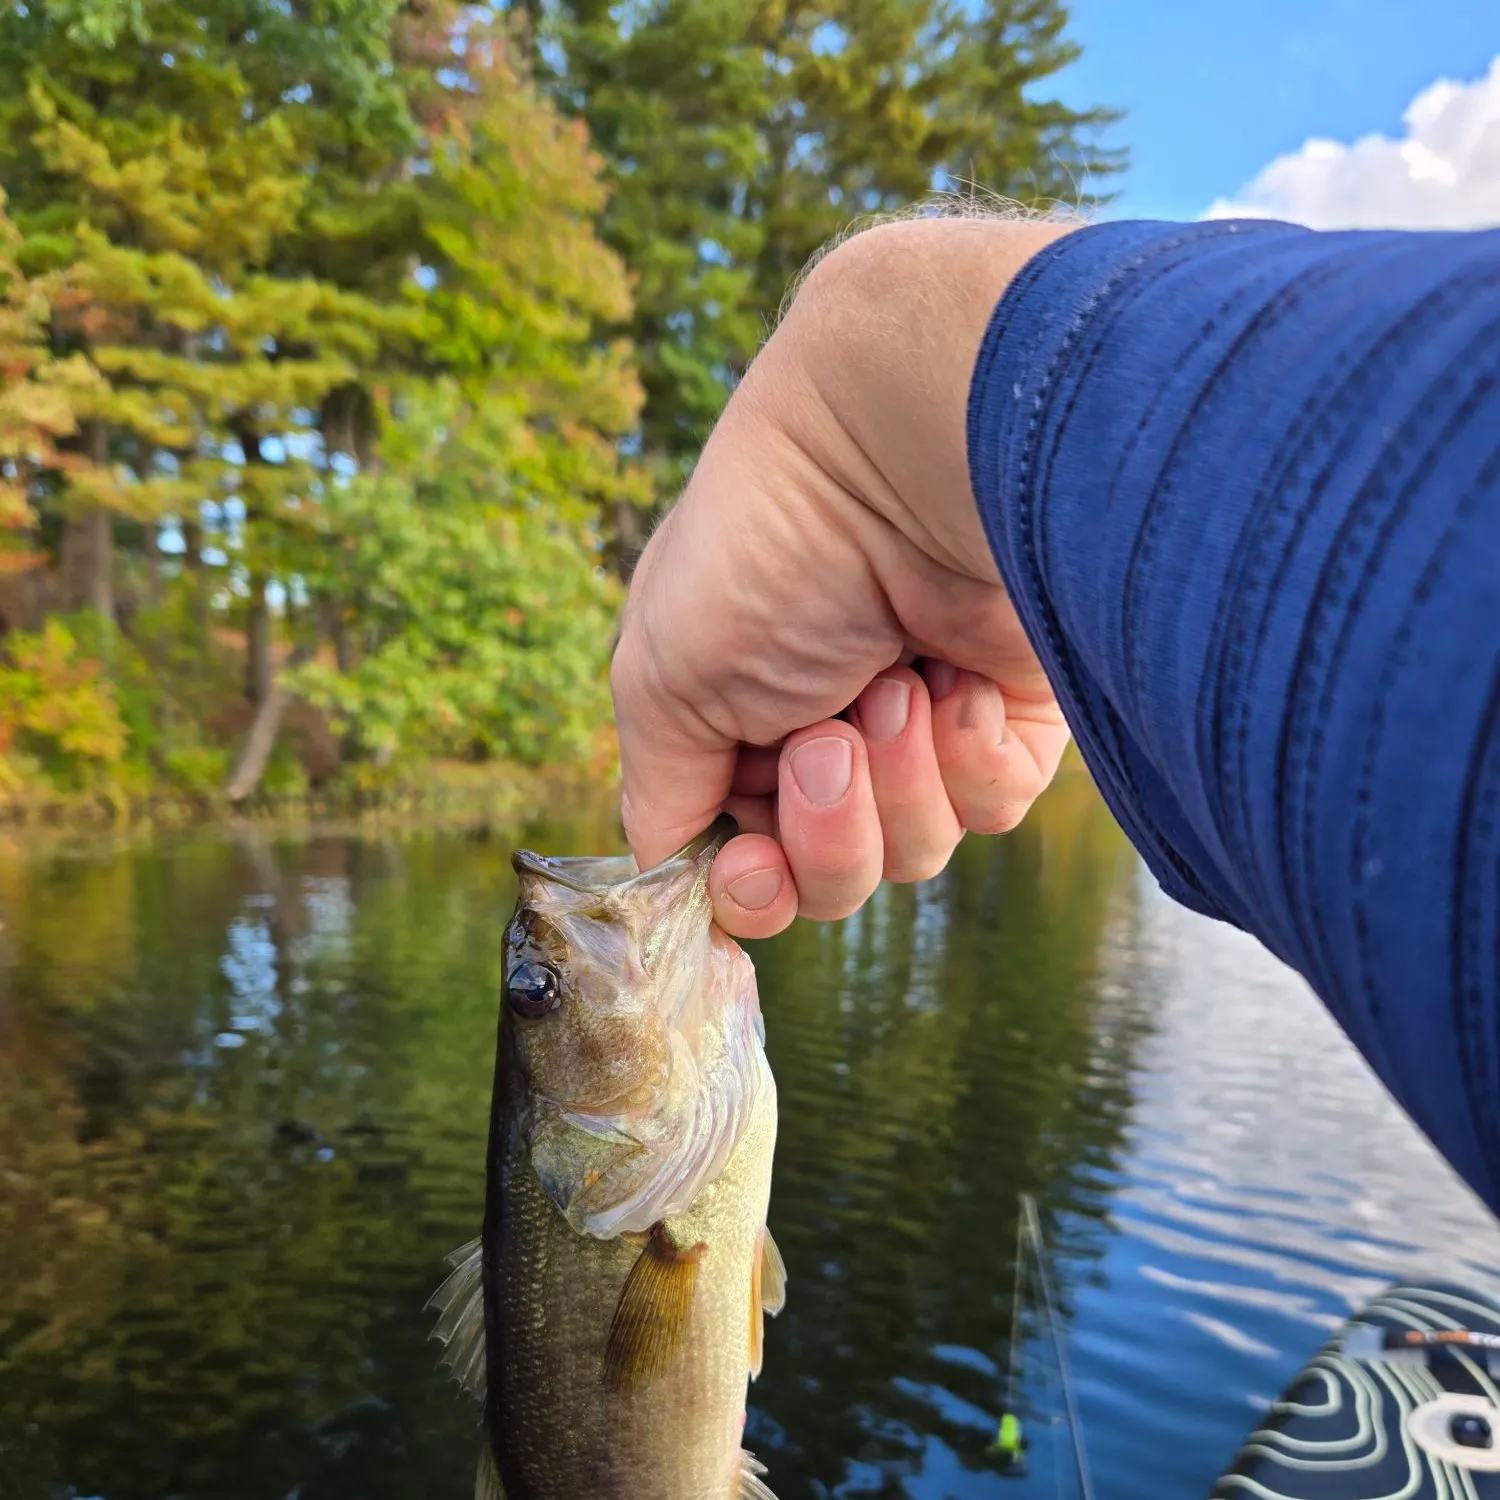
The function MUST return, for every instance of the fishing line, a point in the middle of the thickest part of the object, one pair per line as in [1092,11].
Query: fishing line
[1029,1235]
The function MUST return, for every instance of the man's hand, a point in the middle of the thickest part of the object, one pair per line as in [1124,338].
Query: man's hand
[827,559]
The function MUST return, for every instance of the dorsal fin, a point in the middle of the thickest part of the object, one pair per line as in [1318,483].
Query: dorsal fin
[752,1486]
[460,1328]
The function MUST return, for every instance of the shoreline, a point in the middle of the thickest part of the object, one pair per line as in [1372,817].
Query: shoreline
[507,794]
[444,796]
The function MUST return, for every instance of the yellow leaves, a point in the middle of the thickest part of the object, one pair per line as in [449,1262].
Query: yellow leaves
[16,514]
[75,153]
[94,486]
[48,407]
[267,488]
[217,314]
[222,197]
[51,693]
[118,276]
[529,191]
[174,495]
[218,389]
[162,417]
[182,357]
[40,396]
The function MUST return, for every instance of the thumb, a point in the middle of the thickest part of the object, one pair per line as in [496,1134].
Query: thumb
[675,770]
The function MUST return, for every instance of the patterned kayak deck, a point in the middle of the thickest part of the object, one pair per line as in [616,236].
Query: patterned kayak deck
[1403,1404]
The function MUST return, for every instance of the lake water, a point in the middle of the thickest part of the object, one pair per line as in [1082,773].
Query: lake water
[244,1085]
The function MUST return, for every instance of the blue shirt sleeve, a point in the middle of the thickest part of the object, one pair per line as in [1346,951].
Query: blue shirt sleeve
[1242,481]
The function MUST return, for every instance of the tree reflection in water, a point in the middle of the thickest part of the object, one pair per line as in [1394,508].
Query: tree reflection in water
[244,1084]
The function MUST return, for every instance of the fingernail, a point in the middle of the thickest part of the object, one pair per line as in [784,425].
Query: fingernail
[823,769]
[757,889]
[942,678]
[883,708]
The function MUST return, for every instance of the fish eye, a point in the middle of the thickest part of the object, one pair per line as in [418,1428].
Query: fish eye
[533,990]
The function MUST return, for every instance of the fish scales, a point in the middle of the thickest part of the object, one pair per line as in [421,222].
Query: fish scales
[675,1438]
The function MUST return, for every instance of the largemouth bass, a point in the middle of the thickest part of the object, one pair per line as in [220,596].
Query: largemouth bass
[611,1311]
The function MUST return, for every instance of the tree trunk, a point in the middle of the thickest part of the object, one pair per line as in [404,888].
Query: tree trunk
[255,754]
[192,559]
[27,598]
[145,465]
[86,553]
[343,647]
[349,426]
[84,557]
[153,565]
[259,744]
[258,643]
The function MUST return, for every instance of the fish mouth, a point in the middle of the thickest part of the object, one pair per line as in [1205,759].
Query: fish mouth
[594,874]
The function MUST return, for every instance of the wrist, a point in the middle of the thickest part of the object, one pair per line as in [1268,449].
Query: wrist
[887,328]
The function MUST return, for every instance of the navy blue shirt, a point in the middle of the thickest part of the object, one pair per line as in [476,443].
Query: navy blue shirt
[1242,481]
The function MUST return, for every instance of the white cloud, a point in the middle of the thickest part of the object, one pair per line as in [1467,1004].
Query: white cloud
[1443,173]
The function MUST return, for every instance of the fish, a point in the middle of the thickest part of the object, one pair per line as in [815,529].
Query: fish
[612,1310]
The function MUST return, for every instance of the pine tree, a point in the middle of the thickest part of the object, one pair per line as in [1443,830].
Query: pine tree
[39,399]
[520,283]
[216,367]
[742,134]
[477,613]
[162,164]
[308,330]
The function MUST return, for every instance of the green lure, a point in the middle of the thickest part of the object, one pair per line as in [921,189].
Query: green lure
[1009,1443]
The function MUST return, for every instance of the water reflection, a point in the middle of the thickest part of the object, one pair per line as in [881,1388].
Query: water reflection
[1269,1187]
[243,1089]
[936,1057]
[244,1084]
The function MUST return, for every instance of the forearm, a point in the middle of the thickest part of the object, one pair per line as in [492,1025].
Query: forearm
[1243,485]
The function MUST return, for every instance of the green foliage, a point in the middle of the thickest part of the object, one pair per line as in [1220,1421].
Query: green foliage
[265,225]
[349,340]
[742,134]
[59,716]
[100,23]
[480,613]
[92,718]
[169,689]
[39,395]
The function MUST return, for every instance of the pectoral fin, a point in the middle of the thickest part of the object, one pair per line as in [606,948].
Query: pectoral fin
[487,1484]
[460,1300]
[651,1317]
[752,1486]
[767,1295]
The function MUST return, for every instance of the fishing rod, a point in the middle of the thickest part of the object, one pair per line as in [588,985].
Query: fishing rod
[1008,1439]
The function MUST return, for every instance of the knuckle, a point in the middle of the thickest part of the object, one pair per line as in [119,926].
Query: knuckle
[829,911]
[911,868]
[997,817]
[831,900]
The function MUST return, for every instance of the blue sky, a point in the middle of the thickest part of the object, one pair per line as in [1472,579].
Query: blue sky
[1215,89]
